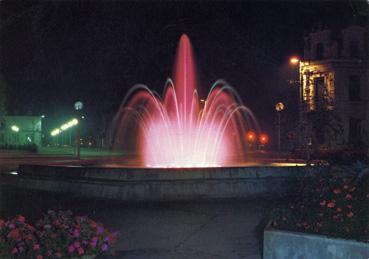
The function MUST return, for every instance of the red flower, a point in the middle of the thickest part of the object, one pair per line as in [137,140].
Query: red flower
[39,257]
[36,247]
[367,195]
[337,191]
[331,205]
[349,206]
[350,214]
[338,209]
[14,234]
[345,187]
[353,189]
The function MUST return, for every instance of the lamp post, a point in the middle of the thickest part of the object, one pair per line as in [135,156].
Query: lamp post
[279,107]
[303,139]
[78,107]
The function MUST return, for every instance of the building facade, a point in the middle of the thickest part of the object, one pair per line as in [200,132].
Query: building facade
[334,91]
[20,130]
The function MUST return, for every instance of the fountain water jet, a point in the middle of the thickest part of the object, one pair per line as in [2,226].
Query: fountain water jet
[179,129]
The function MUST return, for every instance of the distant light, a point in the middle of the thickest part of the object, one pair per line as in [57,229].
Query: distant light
[29,139]
[42,116]
[82,116]
[55,132]
[251,136]
[78,105]
[263,139]
[294,60]
[64,127]
[279,107]
[15,128]
[14,173]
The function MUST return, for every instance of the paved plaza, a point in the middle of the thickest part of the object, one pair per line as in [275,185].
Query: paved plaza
[191,229]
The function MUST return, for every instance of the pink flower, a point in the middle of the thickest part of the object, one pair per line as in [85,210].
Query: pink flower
[14,251]
[367,195]
[49,253]
[104,247]
[36,247]
[21,219]
[350,214]
[99,229]
[338,209]
[81,251]
[331,205]
[348,197]
[336,191]
[76,244]
[94,242]
[70,249]
[76,233]
[322,203]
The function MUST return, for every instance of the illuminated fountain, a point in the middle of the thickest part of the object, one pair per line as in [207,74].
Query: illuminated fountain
[179,129]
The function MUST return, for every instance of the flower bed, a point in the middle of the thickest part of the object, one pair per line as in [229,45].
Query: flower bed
[55,235]
[331,203]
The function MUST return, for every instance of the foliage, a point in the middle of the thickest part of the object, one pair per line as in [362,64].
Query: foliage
[329,204]
[55,235]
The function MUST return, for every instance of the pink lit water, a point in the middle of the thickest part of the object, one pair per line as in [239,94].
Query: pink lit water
[179,129]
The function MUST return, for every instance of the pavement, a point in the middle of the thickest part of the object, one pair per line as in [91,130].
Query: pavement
[214,229]
[187,229]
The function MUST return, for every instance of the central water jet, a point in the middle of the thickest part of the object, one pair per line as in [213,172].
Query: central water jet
[180,130]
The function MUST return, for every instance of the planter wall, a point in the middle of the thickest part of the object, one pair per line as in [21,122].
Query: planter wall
[137,184]
[293,245]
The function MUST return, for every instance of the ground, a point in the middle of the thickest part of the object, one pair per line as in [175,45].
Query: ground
[189,229]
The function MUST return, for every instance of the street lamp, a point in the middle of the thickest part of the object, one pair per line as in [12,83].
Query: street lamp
[279,107]
[78,107]
[294,60]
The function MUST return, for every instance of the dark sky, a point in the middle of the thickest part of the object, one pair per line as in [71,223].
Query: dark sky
[54,52]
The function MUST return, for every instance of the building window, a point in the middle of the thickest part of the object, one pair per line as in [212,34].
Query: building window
[318,92]
[354,49]
[319,51]
[355,130]
[354,88]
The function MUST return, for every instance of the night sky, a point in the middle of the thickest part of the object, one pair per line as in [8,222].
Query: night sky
[54,53]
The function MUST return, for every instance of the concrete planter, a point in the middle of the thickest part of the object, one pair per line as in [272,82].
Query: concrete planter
[294,245]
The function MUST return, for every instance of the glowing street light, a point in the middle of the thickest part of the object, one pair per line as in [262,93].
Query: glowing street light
[15,128]
[263,139]
[55,132]
[251,136]
[78,106]
[64,127]
[279,107]
[294,60]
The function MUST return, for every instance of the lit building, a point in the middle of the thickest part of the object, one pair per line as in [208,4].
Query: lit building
[334,92]
[20,130]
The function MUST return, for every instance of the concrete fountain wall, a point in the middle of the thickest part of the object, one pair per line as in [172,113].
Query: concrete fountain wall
[162,184]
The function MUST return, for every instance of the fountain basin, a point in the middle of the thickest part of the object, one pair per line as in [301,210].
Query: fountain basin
[161,184]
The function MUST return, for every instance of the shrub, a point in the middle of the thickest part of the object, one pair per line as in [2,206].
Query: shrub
[329,204]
